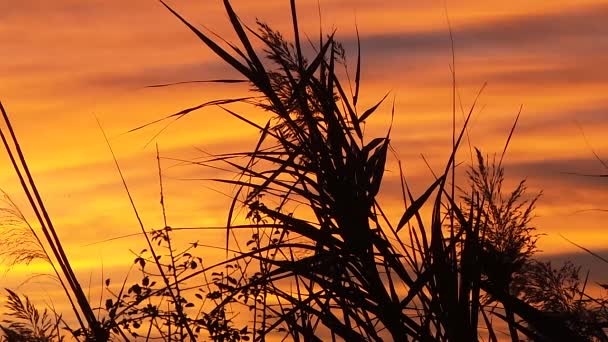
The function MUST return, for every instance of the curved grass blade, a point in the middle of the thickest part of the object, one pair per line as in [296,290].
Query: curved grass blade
[196,81]
[414,208]
[213,46]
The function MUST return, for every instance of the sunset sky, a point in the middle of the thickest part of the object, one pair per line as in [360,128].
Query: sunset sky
[66,62]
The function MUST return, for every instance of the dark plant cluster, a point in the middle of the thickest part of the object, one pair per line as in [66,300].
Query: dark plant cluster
[148,309]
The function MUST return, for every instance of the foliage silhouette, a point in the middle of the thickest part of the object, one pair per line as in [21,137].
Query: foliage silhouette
[28,324]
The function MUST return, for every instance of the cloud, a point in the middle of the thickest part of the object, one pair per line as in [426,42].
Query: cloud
[588,262]
[548,125]
[571,171]
[581,27]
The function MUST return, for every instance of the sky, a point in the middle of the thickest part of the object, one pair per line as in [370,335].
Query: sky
[67,63]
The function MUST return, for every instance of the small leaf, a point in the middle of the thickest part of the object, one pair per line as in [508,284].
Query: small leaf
[214,295]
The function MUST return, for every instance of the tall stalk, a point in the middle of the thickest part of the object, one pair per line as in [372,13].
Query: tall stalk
[29,187]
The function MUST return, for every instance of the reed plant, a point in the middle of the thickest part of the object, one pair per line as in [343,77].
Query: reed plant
[341,268]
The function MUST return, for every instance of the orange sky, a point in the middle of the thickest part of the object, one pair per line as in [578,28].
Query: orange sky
[66,61]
